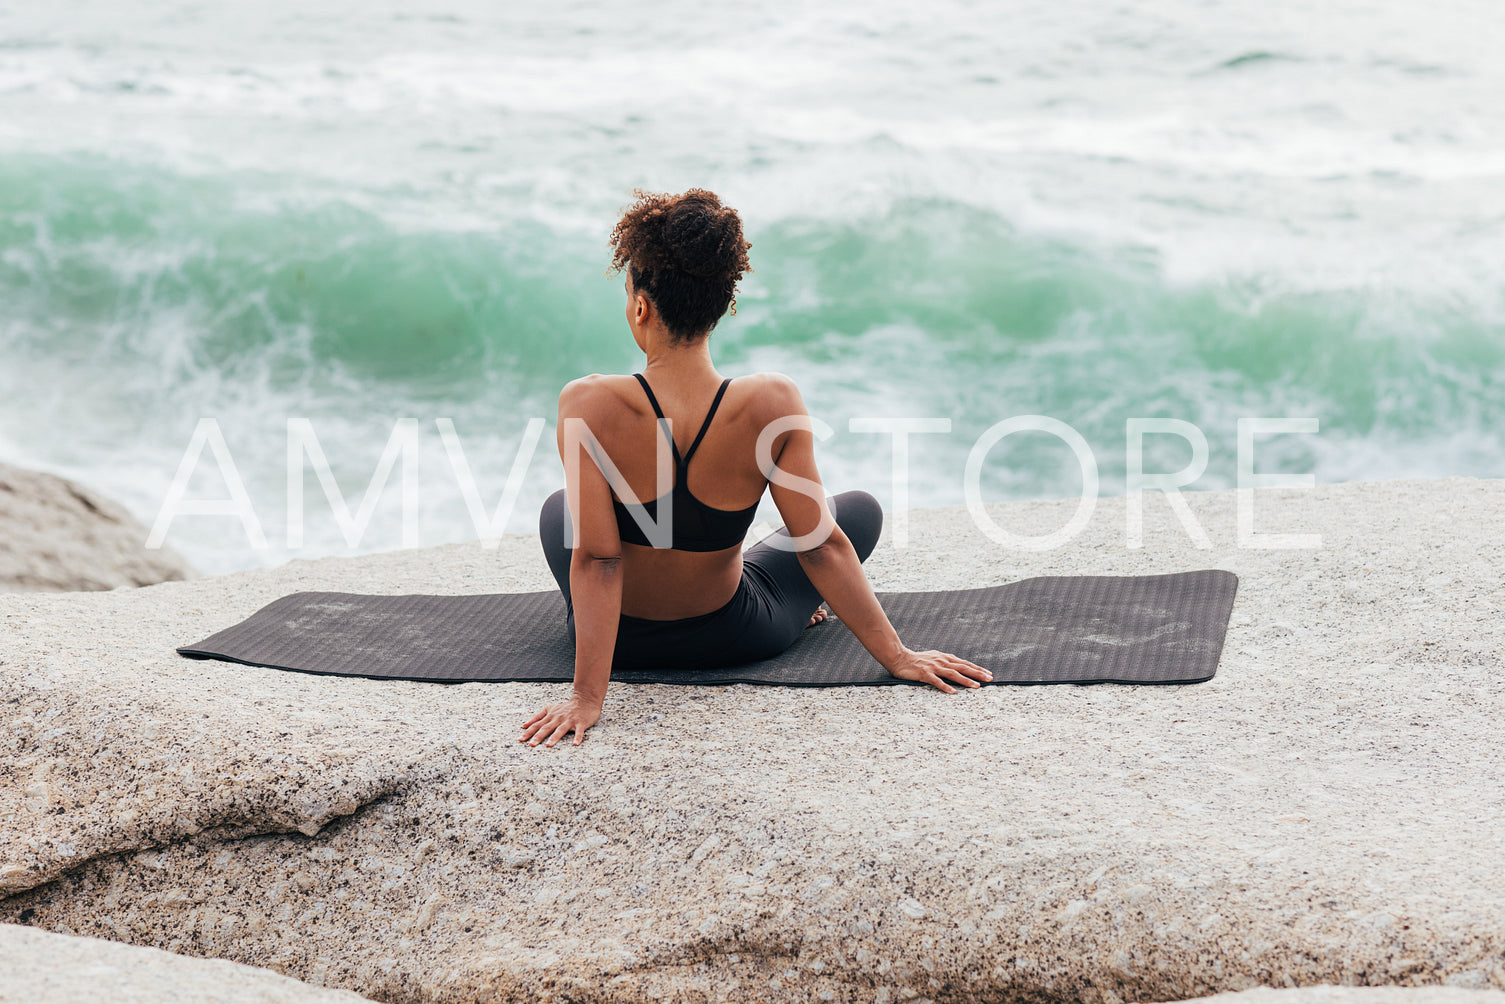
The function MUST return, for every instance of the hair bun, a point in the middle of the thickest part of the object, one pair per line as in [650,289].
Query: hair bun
[684,251]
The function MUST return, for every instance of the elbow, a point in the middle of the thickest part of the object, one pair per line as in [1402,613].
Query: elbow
[817,555]
[589,571]
[602,564]
[834,548]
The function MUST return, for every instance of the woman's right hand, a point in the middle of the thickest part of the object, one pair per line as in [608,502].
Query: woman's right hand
[935,668]
[556,721]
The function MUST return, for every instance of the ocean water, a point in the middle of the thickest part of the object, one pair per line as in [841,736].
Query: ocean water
[356,213]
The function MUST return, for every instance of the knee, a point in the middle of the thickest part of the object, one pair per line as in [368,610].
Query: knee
[551,516]
[861,518]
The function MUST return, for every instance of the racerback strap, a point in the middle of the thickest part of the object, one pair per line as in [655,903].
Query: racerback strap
[715,403]
[663,421]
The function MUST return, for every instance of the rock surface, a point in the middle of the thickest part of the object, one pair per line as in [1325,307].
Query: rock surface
[1357,995]
[59,536]
[1327,810]
[41,968]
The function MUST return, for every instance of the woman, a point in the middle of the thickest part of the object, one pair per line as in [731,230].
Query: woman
[697,600]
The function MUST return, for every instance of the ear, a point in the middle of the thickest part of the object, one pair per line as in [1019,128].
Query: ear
[642,309]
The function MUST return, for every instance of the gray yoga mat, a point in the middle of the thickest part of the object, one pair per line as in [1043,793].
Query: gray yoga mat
[1057,629]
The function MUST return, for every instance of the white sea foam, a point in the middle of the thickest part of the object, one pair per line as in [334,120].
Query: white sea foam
[1065,207]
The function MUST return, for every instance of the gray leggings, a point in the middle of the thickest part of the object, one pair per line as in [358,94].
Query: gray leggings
[773,602]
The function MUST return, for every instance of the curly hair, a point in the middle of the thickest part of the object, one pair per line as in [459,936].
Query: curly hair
[686,254]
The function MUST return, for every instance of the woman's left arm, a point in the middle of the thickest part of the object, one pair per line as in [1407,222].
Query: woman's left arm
[595,567]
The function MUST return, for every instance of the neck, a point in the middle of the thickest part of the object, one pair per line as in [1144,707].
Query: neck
[679,359]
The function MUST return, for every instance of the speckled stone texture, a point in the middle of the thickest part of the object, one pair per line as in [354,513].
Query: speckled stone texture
[41,968]
[1357,995]
[1328,809]
[56,535]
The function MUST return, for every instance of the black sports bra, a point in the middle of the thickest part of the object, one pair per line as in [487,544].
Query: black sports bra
[696,526]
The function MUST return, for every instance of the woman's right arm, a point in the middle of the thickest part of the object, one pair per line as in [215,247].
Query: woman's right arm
[835,570]
[595,570]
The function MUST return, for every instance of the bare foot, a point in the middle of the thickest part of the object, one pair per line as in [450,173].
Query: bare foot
[817,617]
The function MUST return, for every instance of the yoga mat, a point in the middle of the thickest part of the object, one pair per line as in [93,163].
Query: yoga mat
[1057,629]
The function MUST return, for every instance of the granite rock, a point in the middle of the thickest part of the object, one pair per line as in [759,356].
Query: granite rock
[37,967]
[59,536]
[1326,994]
[1326,810]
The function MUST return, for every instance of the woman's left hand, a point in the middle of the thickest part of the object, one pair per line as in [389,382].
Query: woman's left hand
[556,721]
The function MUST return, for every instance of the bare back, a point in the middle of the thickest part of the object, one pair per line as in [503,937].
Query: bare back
[662,583]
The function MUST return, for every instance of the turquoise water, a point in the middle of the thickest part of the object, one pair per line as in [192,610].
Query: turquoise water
[357,214]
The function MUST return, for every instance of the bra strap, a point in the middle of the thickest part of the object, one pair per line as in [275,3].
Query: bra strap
[649,391]
[663,423]
[708,416]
